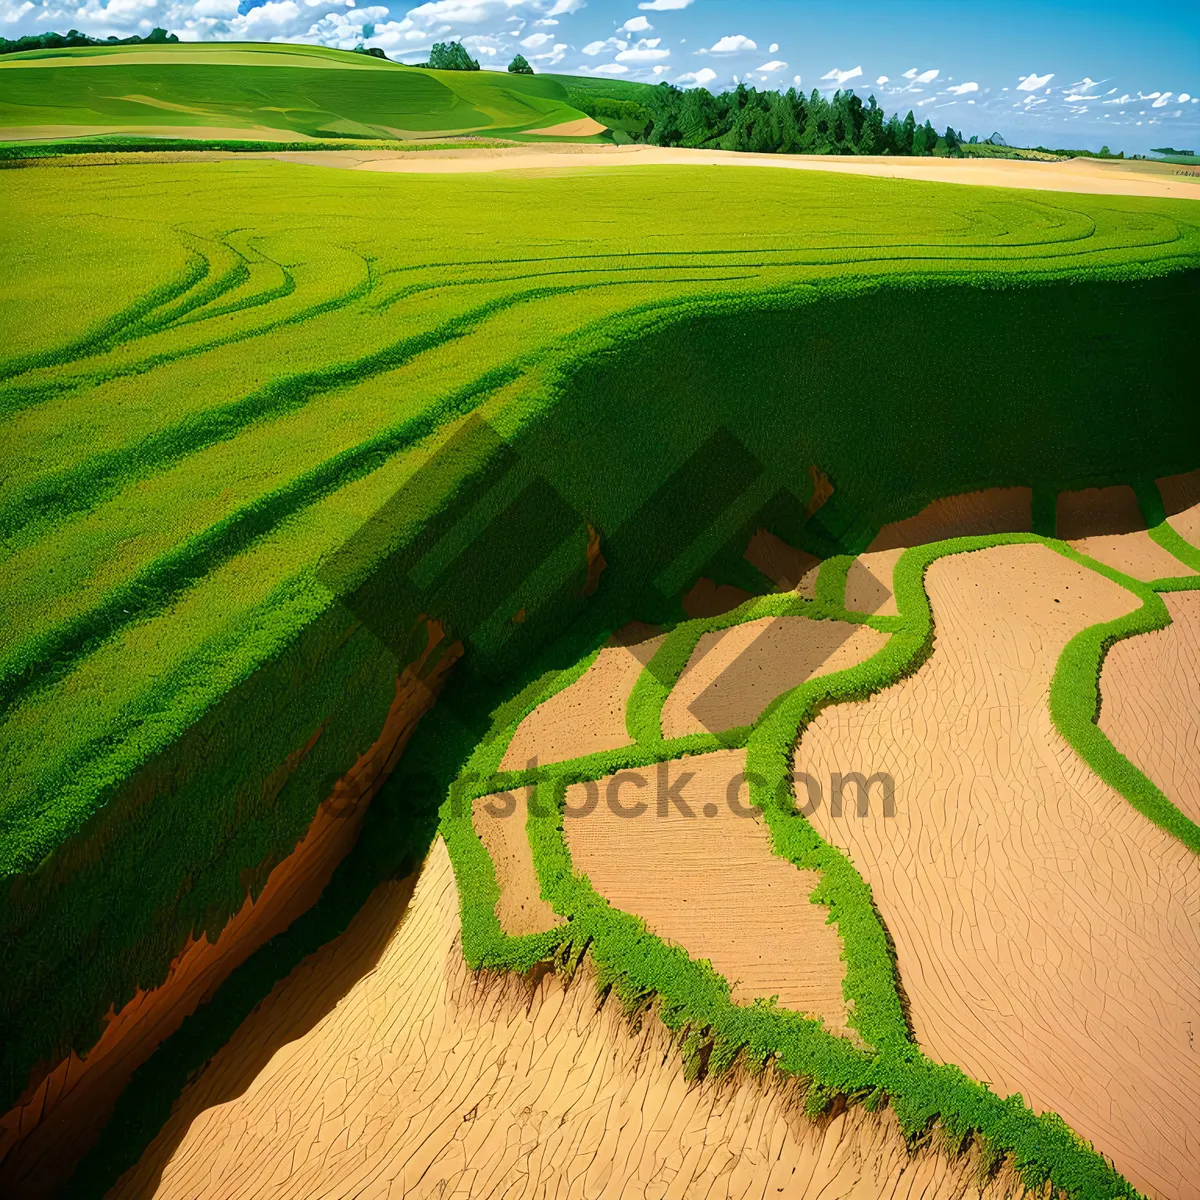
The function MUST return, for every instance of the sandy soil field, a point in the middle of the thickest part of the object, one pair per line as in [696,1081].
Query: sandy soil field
[583,127]
[586,717]
[785,566]
[1077,175]
[500,823]
[1181,498]
[735,673]
[1095,512]
[1137,554]
[995,510]
[710,882]
[1150,708]
[383,1068]
[1010,872]
[869,583]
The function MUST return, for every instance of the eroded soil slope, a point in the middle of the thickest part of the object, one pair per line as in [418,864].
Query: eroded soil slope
[383,1068]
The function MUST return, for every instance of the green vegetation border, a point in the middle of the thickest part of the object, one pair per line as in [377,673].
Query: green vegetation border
[693,1000]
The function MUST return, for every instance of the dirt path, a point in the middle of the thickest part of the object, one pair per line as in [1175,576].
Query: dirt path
[1047,934]
[1150,708]
[1077,175]
[383,1068]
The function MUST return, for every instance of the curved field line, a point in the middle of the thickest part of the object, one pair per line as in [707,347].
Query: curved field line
[102,335]
[14,400]
[80,488]
[56,651]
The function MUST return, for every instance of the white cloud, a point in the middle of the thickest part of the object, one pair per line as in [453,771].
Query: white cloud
[774,65]
[735,43]
[796,80]
[927,76]
[458,12]
[772,47]
[594,48]
[664,5]
[1161,102]
[1031,83]
[911,73]
[610,69]
[553,56]
[881,80]
[961,89]
[700,78]
[637,25]
[646,51]
[545,21]
[1184,97]
[840,77]
[535,40]
[564,8]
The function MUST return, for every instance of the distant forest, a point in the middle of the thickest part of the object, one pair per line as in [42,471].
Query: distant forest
[56,41]
[766,122]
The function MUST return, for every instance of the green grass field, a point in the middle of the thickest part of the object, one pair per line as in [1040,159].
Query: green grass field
[288,91]
[216,373]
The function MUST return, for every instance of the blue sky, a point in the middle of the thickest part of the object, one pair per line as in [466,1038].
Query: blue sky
[1056,72]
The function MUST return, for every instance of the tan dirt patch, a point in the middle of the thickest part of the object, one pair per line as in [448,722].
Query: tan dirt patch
[1181,498]
[994,510]
[709,599]
[1095,512]
[1150,709]
[785,566]
[710,882]
[583,127]
[733,674]
[383,1067]
[869,583]
[1047,934]
[1080,175]
[500,820]
[586,717]
[1137,554]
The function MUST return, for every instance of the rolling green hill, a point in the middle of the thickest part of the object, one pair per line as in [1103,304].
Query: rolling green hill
[262,90]
[216,375]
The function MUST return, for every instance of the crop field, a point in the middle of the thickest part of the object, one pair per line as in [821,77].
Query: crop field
[264,421]
[211,90]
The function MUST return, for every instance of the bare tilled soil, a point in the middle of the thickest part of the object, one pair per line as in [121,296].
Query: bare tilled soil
[1047,934]
[869,582]
[1150,708]
[1181,498]
[994,510]
[589,715]
[382,1067]
[734,674]
[707,879]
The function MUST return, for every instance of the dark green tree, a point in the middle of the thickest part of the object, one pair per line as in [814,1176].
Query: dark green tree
[519,66]
[451,56]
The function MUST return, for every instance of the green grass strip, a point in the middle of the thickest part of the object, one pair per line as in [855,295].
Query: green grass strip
[693,1000]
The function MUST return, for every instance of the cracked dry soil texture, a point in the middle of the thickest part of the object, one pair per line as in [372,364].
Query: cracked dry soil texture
[382,1067]
[1047,934]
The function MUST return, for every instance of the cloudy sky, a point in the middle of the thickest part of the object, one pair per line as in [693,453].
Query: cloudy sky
[1056,72]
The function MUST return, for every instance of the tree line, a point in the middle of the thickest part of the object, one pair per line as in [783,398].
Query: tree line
[57,41]
[773,122]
